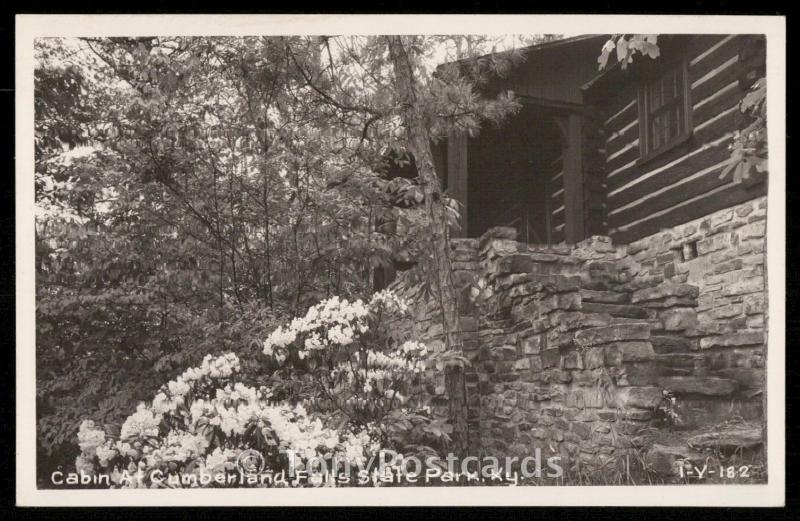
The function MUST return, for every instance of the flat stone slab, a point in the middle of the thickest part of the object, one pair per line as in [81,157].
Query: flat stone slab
[733,340]
[670,344]
[614,333]
[640,397]
[729,439]
[663,291]
[704,385]
[617,310]
[665,459]
[678,319]
[636,351]
[605,297]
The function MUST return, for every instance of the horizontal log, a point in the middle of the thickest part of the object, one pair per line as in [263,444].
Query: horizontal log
[705,135]
[721,100]
[702,43]
[716,79]
[717,126]
[719,198]
[617,140]
[630,153]
[710,120]
[670,195]
[621,117]
[714,56]
[647,184]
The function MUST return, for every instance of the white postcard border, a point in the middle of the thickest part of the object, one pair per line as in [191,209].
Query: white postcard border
[29,27]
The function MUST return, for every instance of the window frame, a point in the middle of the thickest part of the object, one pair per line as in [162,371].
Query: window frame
[645,117]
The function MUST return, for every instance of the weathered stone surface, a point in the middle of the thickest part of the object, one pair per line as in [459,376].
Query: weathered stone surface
[713,243]
[504,352]
[612,356]
[550,358]
[636,351]
[501,232]
[606,297]
[468,323]
[546,257]
[728,440]
[617,310]
[670,302]
[594,358]
[670,344]
[663,291]
[572,360]
[748,378]
[726,311]
[522,364]
[733,340]
[570,320]
[686,361]
[678,319]
[638,374]
[530,374]
[532,344]
[705,385]
[613,333]
[752,285]
[517,263]
[666,459]
[640,397]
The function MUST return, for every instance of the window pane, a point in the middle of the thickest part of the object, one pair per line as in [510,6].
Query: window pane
[675,127]
[665,106]
[655,95]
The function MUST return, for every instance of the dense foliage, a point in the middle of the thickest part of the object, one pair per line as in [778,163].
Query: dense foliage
[194,193]
[342,392]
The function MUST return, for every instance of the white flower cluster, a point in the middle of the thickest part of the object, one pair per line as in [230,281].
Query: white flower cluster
[220,457]
[223,366]
[232,408]
[310,438]
[93,442]
[144,422]
[179,446]
[89,438]
[333,321]
[208,414]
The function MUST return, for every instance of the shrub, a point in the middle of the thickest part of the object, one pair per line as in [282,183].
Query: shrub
[342,387]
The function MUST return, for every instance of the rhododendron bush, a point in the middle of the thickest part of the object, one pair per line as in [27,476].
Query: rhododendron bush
[346,361]
[342,388]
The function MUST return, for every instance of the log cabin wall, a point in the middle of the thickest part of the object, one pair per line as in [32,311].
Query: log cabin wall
[594,174]
[557,220]
[684,182]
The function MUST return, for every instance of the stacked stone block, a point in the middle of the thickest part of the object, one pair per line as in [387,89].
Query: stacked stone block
[572,348]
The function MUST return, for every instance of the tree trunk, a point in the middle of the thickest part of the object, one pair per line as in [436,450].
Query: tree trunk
[418,136]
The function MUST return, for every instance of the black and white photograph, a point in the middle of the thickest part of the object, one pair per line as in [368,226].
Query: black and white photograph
[317,263]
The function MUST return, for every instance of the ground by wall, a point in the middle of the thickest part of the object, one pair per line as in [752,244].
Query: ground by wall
[579,350]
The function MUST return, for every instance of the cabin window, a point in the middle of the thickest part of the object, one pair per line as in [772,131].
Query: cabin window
[664,111]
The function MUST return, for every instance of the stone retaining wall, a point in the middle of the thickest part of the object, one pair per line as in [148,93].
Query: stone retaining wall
[573,348]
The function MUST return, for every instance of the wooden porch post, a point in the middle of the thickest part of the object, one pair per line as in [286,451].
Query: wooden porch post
[457,176]
[574,226]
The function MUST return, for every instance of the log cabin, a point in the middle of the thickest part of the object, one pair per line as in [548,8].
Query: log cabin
[622,152]
[600,239]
